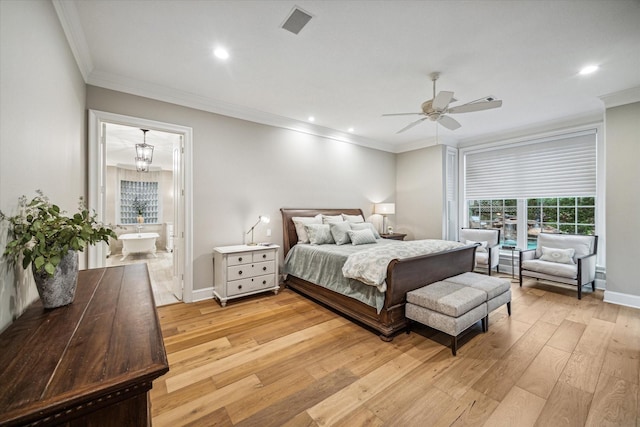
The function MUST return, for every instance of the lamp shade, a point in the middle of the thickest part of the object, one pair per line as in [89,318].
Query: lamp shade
[385,208]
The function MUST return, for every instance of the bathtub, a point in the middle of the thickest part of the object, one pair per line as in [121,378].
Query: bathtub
[138,242]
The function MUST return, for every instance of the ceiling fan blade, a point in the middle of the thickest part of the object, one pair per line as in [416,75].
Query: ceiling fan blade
[449,123]
[442,100]
[412,124]
[475,106]
[401,114]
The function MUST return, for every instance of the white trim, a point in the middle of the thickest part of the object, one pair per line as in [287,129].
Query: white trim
[96,175]
[202,294]
[618,298]
[70,22]
[623,97]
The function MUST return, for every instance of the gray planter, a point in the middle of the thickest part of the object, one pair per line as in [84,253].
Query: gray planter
[60,289]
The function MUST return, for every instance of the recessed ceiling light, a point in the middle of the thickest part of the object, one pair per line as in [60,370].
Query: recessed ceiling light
[221,53]
[351,129]
[589,69]
[312,119]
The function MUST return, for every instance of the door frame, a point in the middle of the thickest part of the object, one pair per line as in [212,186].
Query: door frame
[97,177]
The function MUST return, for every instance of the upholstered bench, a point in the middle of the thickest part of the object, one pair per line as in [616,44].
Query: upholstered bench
[498,290]
[456,303]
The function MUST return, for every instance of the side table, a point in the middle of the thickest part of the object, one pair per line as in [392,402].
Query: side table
[513,250]
[393,236]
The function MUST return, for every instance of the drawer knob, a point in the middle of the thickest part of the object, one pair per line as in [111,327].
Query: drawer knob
[264,255]
[239,286]
[240,272]
[240,259]
[264,268]
[264,282]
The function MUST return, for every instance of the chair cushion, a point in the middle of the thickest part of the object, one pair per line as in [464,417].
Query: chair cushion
[563,256]
[493,286]
[583,245]
[482,258]
[570,271]
[479,235]
[447,298]
[481,248]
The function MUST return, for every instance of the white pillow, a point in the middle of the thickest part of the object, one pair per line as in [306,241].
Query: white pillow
[562,256]
[319,234]
[361,237]
[481,248]
[300,221]
[366,226]
[330,219]
[353,218]
[339,232]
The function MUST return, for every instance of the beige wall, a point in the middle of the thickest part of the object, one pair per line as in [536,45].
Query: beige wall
[419,192]
[42,126]
[243,169]
[622,140]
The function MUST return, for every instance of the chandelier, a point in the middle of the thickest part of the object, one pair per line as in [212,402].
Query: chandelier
[144,153]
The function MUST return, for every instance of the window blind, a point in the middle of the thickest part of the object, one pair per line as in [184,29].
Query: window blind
[558,167]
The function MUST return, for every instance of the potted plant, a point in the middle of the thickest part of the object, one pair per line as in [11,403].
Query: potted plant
[48,240]
[139,206]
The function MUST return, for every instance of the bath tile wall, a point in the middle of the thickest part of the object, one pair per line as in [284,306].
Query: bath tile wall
[165,180]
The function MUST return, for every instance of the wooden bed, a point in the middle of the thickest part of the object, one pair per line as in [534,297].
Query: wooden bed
[402,277]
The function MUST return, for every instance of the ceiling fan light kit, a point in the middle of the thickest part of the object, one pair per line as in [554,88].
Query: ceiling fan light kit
[437,108]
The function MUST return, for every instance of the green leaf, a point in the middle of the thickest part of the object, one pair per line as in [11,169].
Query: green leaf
[38,262]
[49,268]
[25,262]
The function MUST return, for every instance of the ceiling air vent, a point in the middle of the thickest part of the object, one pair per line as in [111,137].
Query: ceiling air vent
[296,20]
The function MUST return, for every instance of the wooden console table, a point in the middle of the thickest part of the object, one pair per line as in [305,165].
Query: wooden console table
[89,363]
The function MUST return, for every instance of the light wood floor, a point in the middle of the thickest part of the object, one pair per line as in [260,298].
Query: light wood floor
[284,360]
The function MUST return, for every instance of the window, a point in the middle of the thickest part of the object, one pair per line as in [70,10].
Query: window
[546,185]
[501,214]
[138,198]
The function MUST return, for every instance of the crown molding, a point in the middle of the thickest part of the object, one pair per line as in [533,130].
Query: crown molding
[70,22]
[623,97]
[191,100]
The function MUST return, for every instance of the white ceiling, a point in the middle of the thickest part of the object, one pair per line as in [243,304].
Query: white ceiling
[356,60]
[121,142]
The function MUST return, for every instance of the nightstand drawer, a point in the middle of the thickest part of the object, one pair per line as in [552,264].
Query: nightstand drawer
[240,258]
[250,284]
[264,256]
[241,271]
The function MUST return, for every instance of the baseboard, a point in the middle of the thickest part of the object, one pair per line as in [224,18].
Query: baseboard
[622,299]
[202,294]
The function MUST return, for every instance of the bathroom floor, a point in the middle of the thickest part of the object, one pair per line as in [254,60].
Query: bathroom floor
[160,269]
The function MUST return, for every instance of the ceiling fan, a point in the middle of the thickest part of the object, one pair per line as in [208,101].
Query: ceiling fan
[436,109]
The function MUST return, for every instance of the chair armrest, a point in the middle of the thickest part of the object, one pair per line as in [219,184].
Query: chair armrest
[494,255]
[587,268]
[527,255]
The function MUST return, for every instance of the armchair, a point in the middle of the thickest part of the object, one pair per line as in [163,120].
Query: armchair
[488,253]
[563,258]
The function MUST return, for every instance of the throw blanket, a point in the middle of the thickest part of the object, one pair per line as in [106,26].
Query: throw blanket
[370,266]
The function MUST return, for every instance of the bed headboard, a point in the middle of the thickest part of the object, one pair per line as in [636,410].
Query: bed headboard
[290,237]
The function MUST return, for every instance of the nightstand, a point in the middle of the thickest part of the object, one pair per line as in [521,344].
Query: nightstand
[244,270]
[393,236]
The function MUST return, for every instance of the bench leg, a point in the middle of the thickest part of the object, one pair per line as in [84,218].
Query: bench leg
[509,308]
[454,345]
[485,323]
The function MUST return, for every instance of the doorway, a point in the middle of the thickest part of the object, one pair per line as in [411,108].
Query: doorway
[151,209]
